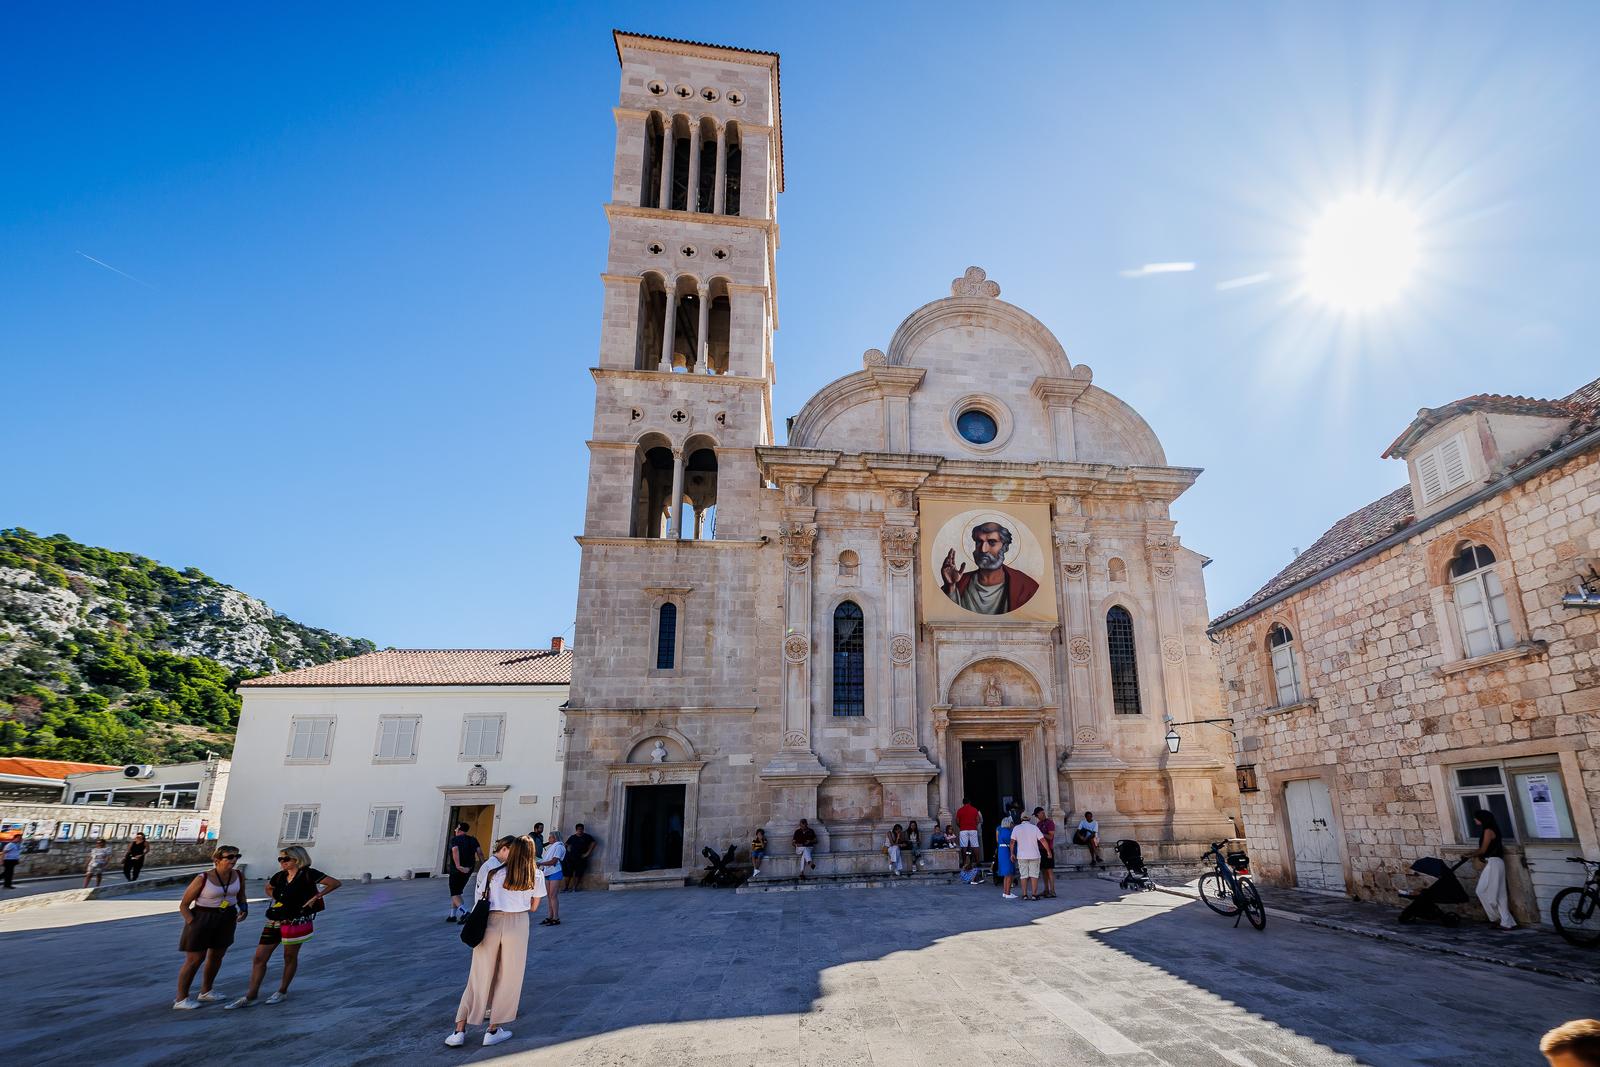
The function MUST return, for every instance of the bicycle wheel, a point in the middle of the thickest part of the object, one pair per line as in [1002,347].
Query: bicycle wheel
[1254,910]
[1576,913]
[1218,897]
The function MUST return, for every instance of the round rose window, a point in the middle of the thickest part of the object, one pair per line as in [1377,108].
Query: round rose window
[977,426]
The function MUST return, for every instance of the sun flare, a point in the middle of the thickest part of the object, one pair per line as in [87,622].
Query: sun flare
[1361,253]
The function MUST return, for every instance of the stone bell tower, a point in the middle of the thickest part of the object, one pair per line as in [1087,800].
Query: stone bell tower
[671,577]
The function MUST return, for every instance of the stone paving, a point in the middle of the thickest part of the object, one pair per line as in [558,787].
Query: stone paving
[923,975]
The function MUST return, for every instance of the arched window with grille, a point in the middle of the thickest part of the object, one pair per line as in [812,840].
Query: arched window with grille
[1480,600]
[849,660]
[1124,662]
[667,636]
[1286,677]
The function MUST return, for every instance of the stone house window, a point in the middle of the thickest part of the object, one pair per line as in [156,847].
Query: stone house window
[1481,609]
[849,660]
[1526,796]
[666,636]
[1124,662]
[1286,677]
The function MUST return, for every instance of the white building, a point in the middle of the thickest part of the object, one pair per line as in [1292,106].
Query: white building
[369,761]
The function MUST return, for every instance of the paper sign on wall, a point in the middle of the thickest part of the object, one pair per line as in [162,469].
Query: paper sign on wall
[1542,805]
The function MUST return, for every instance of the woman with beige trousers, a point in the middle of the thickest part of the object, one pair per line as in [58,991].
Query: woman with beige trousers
[514,886]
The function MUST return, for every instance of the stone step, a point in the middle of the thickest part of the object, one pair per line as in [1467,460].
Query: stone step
[846,881]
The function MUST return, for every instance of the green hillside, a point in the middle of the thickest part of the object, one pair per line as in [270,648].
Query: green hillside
[110,657]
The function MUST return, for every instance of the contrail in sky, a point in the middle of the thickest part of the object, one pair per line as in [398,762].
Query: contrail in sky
[1240,283]
[114,270]
[1157,268]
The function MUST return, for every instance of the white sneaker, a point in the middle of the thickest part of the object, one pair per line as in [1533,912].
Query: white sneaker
[494,1037]
[242,1002]
[1008,896]
[278,997]
[187,1004]
[456,1039]
[209,998]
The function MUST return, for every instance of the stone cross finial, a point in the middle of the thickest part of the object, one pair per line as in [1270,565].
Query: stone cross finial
[974,283]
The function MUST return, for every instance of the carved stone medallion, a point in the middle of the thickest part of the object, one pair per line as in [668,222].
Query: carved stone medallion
[901,647]
[1086,735]
[903,739]
[796,739]
[1079,648]
[1172,650]
[796,647]
[974,283]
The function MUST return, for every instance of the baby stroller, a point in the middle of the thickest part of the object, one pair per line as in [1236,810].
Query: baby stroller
[1132,857]
[719,869]
[1444,890]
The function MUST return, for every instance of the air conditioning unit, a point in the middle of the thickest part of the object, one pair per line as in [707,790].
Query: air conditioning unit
[138,770]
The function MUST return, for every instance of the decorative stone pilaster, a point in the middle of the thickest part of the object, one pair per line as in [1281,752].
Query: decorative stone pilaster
[1085,731]
[794,772]
[1161,547]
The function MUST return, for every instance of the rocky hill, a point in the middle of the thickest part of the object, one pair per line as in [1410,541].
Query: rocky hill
[111,657]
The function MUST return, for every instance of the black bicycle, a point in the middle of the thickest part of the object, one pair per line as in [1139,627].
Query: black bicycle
[1576,909]
[1228,890]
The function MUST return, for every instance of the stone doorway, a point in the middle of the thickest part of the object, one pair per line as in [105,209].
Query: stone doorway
[991,775]
[480,824]
[652,828]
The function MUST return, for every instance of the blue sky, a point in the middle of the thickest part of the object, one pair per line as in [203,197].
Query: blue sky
[342,359]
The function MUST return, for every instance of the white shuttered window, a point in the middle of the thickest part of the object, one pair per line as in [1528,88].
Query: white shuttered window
[480,736]
[1443,469]
[310,739]
[383,823]
[299,825]
[397,738]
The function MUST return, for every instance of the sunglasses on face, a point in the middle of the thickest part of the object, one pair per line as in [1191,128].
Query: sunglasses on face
[285,859]
[229,858]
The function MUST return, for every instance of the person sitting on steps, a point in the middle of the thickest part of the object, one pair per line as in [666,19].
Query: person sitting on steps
[1088,835]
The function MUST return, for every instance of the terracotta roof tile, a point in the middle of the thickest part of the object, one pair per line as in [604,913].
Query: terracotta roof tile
[49,768]
[1495,403]
[432,666]
[1371,524]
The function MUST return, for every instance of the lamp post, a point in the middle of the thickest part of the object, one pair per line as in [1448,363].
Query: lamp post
[1174,741]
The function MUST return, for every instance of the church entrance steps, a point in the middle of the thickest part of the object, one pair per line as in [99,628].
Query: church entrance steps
[846,881]
[870,864]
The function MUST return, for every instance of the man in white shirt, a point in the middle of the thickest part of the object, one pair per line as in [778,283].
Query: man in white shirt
[1088,835]
[1025,838]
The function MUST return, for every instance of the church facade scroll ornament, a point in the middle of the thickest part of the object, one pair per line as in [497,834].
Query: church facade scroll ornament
[874,357]
[974,283]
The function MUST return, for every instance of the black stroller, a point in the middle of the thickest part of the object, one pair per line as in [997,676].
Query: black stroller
[1444,890]
[720,873]
[1132,857]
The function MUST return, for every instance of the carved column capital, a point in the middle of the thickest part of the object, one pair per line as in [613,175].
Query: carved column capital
[799,541]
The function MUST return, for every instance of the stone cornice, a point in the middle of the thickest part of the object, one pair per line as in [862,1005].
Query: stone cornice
[806,466]
[600,373]
[615,210]
[658,544]
[1061,392]
[896,381]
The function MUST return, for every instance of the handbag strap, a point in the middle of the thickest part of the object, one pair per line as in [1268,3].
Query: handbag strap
[488,879]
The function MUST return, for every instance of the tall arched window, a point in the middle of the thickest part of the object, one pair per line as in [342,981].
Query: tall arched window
[849,661]
[650,171]
[1285,666]
[1480,602]
[1124,662]
[733,168]
[667,637]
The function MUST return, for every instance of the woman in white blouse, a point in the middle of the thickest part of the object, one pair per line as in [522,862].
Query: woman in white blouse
[514,886]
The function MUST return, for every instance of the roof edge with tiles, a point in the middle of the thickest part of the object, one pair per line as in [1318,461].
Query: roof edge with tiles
[1365,539]
[421,667]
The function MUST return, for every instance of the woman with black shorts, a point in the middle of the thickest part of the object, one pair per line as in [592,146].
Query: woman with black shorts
[211,907]
[296,891]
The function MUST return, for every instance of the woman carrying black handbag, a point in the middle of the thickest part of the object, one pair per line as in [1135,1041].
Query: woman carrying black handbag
[510,886]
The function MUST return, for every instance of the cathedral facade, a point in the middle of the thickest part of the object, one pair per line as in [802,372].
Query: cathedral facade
[957,577]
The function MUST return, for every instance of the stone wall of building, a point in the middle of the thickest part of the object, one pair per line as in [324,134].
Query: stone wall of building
[1392,708]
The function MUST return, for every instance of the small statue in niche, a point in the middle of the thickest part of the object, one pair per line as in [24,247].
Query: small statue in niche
[658,752]
[993,695]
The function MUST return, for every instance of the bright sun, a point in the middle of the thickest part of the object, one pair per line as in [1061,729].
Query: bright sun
[1361,253]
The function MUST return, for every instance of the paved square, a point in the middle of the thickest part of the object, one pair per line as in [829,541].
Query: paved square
[910,975]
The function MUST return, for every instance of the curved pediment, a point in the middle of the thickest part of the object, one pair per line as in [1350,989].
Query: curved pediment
[973,351]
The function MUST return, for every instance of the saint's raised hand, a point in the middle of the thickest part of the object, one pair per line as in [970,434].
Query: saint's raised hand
[949,571]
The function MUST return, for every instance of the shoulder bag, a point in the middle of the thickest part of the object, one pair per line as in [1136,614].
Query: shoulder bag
[476,924]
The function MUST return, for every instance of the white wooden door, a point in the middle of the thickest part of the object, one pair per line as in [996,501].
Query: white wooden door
[1311,830]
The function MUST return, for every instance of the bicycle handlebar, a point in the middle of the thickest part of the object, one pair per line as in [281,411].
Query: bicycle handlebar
[1580,859]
